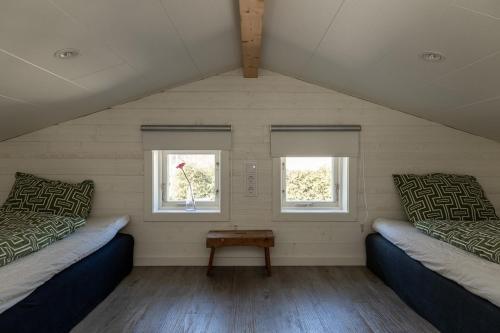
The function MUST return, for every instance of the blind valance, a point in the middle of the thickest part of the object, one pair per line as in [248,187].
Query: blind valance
[186,137]
[312,140]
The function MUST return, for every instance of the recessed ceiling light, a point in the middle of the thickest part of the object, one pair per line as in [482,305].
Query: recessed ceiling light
[66,53]
[431,56]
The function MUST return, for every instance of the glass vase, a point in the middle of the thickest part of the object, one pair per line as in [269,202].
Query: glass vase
[190,202]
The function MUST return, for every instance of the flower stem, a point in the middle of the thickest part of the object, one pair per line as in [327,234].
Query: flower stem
[189,183]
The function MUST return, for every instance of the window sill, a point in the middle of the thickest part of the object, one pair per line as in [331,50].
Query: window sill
[313,211]
[199,215]
[183,211]
[314,216]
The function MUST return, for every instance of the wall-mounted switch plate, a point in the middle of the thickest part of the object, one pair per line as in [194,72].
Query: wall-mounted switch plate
[251,178]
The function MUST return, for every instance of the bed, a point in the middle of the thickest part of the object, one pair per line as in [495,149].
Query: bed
[53,289]
[453,289]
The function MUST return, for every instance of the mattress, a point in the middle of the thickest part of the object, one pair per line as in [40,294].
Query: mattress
[21,277]
[475,274]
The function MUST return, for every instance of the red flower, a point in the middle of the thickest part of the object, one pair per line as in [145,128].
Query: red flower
[180,165]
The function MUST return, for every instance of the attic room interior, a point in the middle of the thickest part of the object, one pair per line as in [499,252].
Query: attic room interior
[249,166]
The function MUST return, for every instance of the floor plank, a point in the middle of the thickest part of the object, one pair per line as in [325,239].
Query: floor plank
[244,299]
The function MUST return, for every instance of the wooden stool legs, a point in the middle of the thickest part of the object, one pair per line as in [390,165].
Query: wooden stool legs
[211,261]
[268,261]
[223,238]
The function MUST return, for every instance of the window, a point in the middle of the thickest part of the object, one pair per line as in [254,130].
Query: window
[315,172]
[202,168]
[166,188]
[315,188]
[311,184]
[204,153]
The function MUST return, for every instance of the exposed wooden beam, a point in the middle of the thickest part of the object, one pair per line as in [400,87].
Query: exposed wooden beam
[251,12]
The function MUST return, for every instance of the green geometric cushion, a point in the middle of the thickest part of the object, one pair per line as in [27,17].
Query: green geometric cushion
[481,238]
[34,194]
[22,233]
[439,196]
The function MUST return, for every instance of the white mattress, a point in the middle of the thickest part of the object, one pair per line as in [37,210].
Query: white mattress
[479,276]
[21,277]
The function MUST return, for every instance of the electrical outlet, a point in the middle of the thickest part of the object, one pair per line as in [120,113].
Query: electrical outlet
[251,178]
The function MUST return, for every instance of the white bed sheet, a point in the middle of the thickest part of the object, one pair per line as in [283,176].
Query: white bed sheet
[21,277]
[477,275]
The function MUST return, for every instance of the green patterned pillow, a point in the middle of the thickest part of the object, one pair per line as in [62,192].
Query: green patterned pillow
[22,233]
[481,238]
[439,196]
[34,194]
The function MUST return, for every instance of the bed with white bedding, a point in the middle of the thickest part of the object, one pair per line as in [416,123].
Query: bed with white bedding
[455,290]
[24,275]
[52,289]
[479,276]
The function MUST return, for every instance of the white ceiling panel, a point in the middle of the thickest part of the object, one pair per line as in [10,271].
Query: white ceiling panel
[293,30]
[109,77]
[210,30]
[372,51]
[7,103]
[362,34]
[480,118]
[479,80]
[34,30]
[23,81]
[422,98]
[486,7]
[366,30]
[445,34]
[366,48]
[140,32]
[16,117]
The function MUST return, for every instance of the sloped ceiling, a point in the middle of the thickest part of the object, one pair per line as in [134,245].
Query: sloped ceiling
[366,48]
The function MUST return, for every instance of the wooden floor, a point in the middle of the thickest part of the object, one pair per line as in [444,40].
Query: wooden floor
[294,299]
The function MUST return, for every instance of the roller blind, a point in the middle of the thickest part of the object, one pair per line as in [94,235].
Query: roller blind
[310,140]
[186,137]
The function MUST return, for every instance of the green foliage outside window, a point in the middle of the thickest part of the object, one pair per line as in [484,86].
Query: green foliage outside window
[202,180]
[309,185]
[301,185]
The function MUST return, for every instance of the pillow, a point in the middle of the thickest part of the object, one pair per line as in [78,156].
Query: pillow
[31,193]
[440,196]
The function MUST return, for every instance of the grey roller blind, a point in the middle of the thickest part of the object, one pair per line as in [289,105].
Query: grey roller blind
[186,137]
[325,140]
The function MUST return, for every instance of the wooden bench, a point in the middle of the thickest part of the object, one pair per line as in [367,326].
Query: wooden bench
[259,238]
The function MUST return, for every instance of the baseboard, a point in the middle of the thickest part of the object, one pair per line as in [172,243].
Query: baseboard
[250,261]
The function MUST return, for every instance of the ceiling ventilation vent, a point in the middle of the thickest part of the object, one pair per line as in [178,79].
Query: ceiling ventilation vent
[66,53]
[431,56]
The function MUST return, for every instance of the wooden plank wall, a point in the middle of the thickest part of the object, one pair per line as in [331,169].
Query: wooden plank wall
[106,147]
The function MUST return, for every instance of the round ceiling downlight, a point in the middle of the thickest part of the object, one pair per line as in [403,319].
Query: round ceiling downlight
[431,56]
[66,53]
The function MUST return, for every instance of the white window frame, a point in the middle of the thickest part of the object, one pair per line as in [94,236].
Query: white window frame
[162,187]
[203,213]
[314,206]
[346,210]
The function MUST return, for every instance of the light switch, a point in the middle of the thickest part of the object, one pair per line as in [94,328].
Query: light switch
[251,178]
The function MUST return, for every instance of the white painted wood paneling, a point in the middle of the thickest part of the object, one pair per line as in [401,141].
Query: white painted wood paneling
[106,147]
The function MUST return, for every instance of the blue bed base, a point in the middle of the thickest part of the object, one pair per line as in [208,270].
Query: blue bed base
[63,301]
[444,303]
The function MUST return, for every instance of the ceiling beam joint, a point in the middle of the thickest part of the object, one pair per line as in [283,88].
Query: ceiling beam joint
[251,12]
